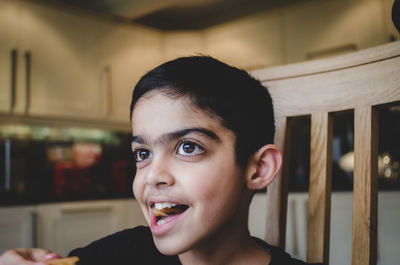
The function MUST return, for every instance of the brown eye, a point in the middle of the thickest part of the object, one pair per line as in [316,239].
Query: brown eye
[188,148]
[142,154]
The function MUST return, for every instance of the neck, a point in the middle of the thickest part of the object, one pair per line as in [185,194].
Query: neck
[233,248]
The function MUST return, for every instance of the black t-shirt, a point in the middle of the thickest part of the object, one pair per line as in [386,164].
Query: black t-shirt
[136,246]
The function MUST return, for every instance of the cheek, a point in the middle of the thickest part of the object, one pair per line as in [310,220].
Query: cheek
[137,188]
[220,179]
[138,192]
[203,188]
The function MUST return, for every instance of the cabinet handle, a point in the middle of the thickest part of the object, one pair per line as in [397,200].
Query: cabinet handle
[108,72]
[14,60]
[7,164]
[86,209]
[34,219]
[28,61]
[294,235]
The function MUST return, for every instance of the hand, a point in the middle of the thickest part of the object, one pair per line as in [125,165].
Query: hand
[27,256]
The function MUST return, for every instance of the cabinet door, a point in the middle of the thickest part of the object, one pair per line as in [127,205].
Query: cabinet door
[66,226]
[250,43]
[135,215]
[58,60]
[17,228]
[317,29]
[123,54]
[9,28]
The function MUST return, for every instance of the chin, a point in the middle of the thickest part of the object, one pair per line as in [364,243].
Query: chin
[170,247]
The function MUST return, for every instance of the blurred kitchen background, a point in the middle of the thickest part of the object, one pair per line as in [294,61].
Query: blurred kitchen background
[67,70]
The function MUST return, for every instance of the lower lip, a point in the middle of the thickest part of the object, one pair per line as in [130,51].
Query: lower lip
[170,223]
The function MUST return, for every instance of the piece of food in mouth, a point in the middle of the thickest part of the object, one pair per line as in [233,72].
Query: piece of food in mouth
[165,209]
[63,261]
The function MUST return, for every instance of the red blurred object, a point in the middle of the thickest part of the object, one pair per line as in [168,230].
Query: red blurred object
[119,176]
[86,154]
[70,179]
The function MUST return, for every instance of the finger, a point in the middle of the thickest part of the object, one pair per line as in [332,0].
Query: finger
[33,254]
[51,256]
[44,255]
[18,257]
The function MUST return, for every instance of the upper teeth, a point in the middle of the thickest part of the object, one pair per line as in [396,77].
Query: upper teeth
[162,205]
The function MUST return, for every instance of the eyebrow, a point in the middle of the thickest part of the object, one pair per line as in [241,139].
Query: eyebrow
[165,138]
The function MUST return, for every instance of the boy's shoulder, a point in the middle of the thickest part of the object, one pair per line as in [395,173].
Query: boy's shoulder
[134,244]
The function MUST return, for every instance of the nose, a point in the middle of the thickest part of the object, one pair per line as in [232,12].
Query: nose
[159,174]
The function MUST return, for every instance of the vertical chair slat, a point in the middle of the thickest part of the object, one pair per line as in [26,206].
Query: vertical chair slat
[319,203]
[277,191]
[365,194]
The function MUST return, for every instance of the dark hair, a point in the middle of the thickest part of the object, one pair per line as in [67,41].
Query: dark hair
[396,14]
[241,102]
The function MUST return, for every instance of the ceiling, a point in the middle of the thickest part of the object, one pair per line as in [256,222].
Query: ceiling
[173,14]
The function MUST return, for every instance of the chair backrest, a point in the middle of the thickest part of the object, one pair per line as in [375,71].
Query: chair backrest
[360,81]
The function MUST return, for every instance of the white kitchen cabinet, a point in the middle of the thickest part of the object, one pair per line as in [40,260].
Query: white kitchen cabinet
[316,29]
[54,73]
[123,54]
[17,227]
[65,226]
[72,64]
[341,225]
[62,227]
[9,42]
[62,81]
[83,66]
[134,213]
[390,28]
[184,43]
[249,43]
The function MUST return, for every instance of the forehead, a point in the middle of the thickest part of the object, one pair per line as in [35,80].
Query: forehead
[157,112]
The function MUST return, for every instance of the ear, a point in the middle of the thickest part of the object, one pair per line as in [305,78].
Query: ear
[263,167]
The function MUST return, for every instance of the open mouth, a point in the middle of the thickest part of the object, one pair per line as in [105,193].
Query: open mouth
[164,210]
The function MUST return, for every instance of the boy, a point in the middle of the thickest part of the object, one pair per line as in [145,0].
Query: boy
[202,141]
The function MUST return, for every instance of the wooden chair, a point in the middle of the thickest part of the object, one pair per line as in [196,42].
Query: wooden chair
[360,81]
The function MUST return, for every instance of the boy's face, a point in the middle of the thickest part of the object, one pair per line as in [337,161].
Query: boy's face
[186,168]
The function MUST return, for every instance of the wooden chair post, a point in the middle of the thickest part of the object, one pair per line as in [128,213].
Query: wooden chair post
[365,192]
[319,200]
[278,190]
